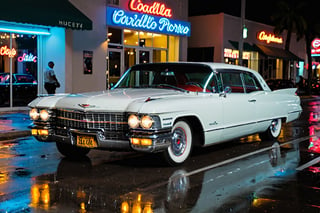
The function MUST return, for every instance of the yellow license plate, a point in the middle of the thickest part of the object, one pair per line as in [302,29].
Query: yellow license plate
[86,141]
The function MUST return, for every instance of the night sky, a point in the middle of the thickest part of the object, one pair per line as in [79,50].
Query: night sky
[259,11]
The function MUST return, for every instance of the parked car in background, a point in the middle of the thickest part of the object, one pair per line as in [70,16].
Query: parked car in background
[24,88]
[165,107]
[275,84]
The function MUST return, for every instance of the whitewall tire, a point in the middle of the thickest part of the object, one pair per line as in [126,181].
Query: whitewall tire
[273,131]
[180,148]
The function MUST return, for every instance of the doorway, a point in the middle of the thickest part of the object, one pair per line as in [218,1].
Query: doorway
[119,60]
[114,61]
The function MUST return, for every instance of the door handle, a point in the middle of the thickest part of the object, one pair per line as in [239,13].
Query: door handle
[252,100]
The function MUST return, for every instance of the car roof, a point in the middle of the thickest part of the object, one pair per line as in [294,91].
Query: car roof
[212,65]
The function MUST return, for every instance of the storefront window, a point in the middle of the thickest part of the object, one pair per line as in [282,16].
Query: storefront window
[18,69]
[145,39]
[160,41]
[159,56]
[130,57]
[131,37]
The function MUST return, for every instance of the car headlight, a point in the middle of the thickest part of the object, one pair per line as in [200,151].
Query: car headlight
[44,115]
[34,114]
[133,121]
[146,122]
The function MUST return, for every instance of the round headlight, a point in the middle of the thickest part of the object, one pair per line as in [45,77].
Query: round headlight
[44,115]
[146,122]
[133,121]
[34,114]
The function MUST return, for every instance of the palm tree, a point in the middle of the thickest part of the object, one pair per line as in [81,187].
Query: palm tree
[288,18]
[312,31]
[298,17]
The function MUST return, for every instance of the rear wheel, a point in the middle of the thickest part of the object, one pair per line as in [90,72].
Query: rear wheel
[180,148]
[273,131]
[71,151]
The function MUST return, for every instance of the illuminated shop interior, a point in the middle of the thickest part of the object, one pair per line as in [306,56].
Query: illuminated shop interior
[127,47]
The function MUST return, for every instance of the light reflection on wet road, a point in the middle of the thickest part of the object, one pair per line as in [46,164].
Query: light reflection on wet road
[246,175]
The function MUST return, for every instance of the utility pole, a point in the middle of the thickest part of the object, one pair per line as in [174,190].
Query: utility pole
[243,15]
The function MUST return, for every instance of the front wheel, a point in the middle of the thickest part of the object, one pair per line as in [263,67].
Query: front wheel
[71,151]
[180,148]
[273,131]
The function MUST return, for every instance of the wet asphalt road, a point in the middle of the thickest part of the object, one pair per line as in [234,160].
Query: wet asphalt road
[246,175]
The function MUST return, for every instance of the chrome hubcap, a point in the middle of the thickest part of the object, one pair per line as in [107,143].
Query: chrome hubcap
[178,142]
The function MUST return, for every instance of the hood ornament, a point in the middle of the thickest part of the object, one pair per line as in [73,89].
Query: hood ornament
[86,105]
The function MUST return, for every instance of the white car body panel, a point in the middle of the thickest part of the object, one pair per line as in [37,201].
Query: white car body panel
[221,116]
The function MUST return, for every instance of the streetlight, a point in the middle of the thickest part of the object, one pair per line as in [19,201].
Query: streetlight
[244,30]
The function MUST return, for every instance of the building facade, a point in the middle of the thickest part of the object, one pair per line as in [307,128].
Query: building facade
[145,31]
[92,43]
[217,37]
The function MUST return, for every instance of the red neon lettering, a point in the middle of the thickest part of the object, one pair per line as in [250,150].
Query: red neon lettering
[4,50]
[316,43]
[263,36]
[155,9]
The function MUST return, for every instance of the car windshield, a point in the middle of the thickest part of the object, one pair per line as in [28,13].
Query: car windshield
[190,77]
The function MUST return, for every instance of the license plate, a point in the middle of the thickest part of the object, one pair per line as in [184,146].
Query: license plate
[86,141]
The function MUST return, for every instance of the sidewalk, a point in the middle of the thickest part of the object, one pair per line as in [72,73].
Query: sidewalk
[14,124]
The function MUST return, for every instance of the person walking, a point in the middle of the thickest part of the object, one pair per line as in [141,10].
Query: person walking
[50,80]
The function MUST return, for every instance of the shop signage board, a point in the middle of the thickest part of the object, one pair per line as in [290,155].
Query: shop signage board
[146,22]
[156,8]
[315,50]
[269,37]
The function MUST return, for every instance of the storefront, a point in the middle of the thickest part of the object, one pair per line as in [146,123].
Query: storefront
[262,50]
[31,34]
[91,43]
[145,31]
[315,54]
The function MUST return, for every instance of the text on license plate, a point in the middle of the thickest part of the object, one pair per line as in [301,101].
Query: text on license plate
[86,141]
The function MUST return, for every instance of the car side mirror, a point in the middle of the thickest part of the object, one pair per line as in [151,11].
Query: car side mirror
[226,91]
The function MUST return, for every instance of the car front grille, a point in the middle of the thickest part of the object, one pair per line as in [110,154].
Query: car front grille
[114,124]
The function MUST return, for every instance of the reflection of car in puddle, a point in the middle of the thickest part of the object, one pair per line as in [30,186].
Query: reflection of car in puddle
[235,185]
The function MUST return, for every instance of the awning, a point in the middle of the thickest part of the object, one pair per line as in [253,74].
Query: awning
[274,52]
[246,46]
[59,13]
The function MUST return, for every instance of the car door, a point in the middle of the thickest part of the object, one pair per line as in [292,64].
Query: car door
[239,107]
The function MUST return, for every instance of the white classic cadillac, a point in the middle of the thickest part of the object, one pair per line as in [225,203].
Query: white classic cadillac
[165,107]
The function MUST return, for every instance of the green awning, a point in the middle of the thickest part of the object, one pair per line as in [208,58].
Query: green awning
[59,13]
[274,52]
[246,46]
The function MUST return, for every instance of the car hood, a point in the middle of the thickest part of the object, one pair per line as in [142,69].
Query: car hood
[113,100]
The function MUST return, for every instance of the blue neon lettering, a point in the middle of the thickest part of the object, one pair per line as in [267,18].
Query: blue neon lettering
[145,21]
[119,17]
[177,28]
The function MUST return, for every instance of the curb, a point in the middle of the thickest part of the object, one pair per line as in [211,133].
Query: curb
[14,134]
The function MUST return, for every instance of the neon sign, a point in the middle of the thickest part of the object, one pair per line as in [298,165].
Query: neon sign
[316,47]
[316,43]
[229,53]
[269,38]
[155,9]
[4,50]
[120,18]
[27,58]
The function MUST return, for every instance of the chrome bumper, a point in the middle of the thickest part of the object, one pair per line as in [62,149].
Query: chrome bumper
[71,135]
[160,140]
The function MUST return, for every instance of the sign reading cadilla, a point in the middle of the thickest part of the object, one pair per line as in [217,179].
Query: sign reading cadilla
[120,18]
